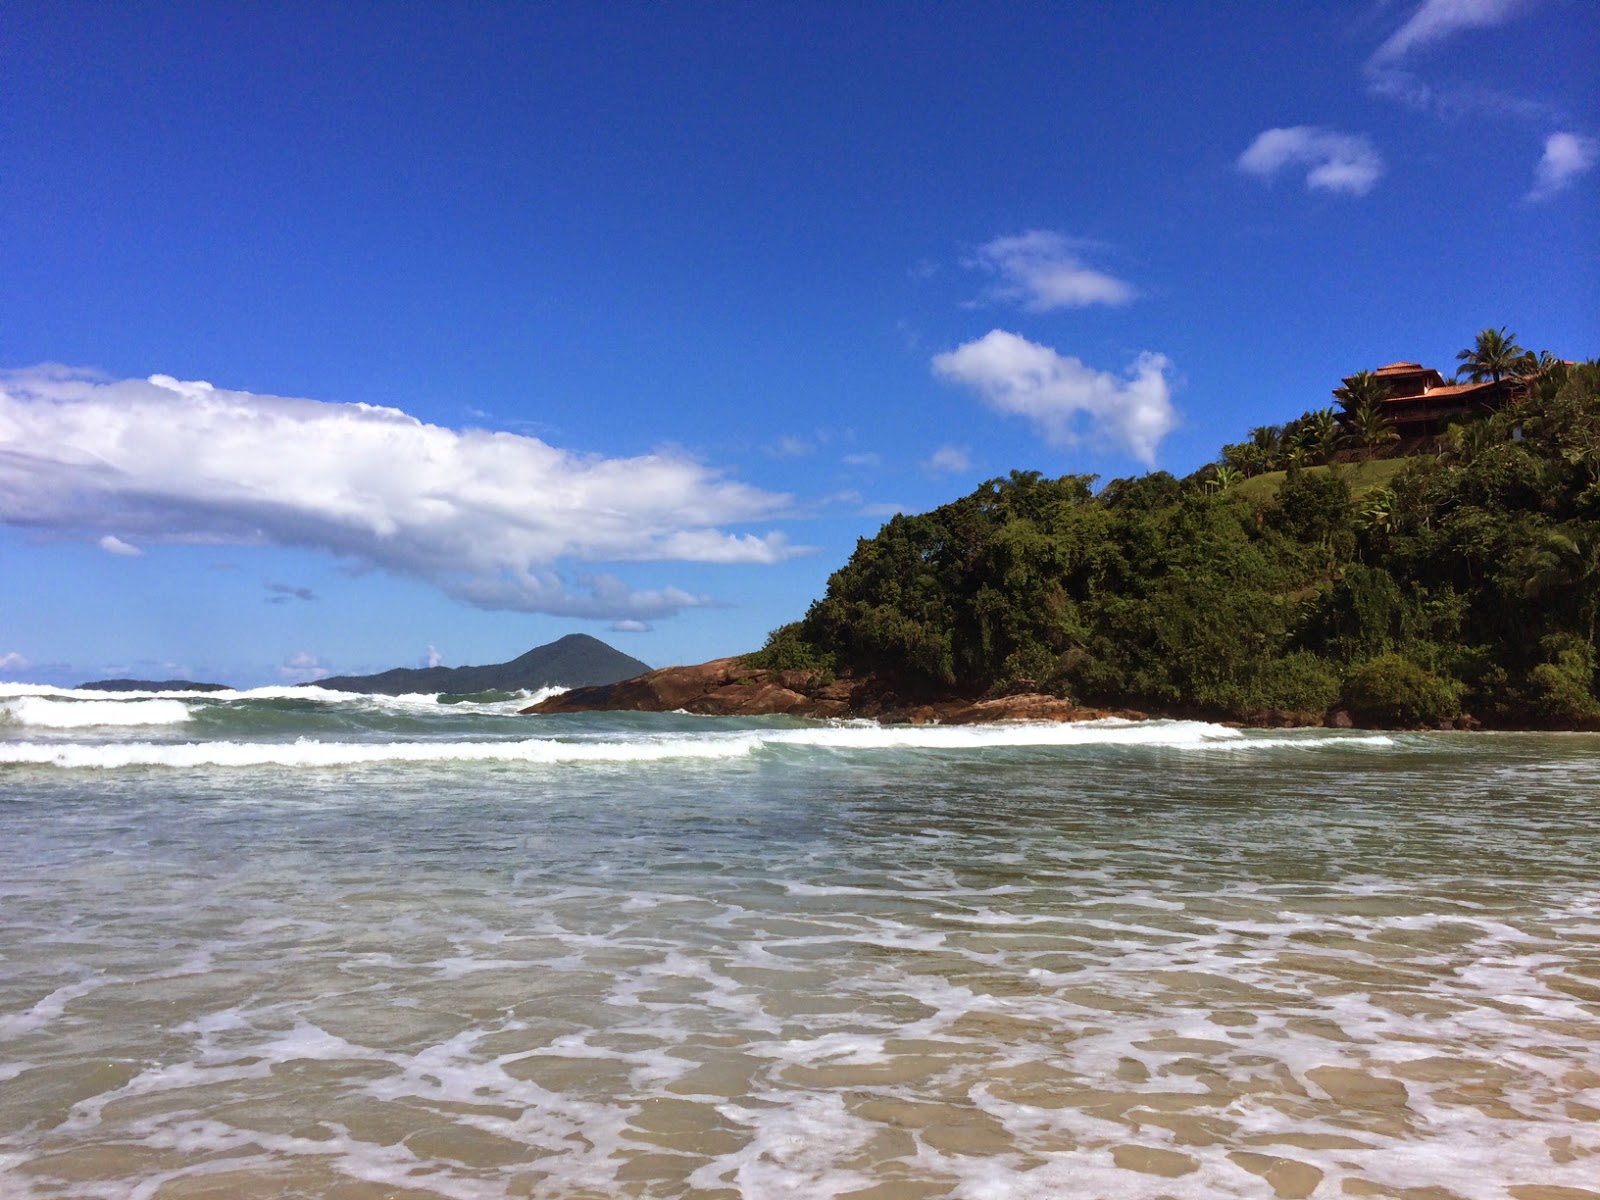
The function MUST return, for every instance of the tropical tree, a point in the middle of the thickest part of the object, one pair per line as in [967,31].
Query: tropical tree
[1377,511]
[1242,457]
[1268,440]
[1369,428]
[1544,375]
[1567,563]
[1361,390]
[1494,355]
[1320,433]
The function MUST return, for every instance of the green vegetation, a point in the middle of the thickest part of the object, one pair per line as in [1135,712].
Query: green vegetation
[786,649]
[1360,477]
[1403,590]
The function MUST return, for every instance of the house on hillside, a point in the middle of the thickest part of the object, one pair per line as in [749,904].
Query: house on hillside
[1421,404]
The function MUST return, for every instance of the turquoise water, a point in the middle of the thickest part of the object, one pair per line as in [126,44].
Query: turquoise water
[308,944]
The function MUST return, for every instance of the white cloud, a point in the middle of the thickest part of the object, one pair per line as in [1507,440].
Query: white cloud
[1435,20]
[12,661]
[1335,162]
[303,668]
[792,447]
[949,460]
[870,458]
[630,627]
[1566,156]
[1390,70]
[1067,400]
[435,659]
[486,516]
[112,544]
[1042,270]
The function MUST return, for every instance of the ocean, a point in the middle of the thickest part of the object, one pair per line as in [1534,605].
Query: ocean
[299,943]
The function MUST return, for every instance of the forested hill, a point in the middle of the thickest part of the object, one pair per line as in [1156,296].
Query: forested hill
[1470,584]
[576,660]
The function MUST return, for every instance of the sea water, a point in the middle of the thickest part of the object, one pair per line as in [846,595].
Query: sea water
[298,943]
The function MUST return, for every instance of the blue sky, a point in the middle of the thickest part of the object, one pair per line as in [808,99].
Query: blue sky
[337,338]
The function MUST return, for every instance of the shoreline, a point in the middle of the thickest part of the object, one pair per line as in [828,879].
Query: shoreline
[726,687]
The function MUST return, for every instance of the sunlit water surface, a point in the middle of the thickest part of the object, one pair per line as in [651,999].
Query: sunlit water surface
[257,947]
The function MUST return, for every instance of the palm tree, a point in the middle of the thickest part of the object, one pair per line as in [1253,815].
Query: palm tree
[1494,355]
[1568,563]
[1544,376]
[1241,456]
[1320,433]
[1361,390]
[1369,428]
[1269,440]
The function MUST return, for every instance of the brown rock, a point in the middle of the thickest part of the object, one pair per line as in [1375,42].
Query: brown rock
[755,699]
[1339,720]
[726,687]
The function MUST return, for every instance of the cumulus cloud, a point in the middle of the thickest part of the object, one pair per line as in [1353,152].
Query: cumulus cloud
[1435,20]
[12,661]
[435,659]
[486,516]
[1334,161]
[1566,156]
[1042,270]
[949,460]
[630,627]
[112,544]
[1068,401]
[303,668]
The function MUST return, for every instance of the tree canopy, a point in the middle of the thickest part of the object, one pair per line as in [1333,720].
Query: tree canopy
[1471,582]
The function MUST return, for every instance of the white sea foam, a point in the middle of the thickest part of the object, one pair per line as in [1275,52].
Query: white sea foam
[1181,735]
[306,692]
[853,737]
[51,713]
[306,752]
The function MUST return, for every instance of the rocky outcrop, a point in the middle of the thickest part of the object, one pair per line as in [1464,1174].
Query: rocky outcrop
[725,687]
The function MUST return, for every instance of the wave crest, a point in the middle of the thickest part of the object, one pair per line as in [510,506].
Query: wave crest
[48,712]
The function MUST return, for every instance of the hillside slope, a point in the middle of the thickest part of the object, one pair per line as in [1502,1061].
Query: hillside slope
[576,660]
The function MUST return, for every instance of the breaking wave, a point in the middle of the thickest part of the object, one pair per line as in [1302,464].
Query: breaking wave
[854,737]
[46,712]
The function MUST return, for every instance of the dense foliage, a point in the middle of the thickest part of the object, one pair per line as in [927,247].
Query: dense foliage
[1471,582]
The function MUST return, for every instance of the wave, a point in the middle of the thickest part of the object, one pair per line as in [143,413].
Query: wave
[50,713]
[863,735]
[504,701]
[853,737]
[307,753]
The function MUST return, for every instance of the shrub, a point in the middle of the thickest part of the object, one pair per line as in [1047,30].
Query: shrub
[1559,690]
[1299,682]
[1393,690]
[1556,698]
[786,650]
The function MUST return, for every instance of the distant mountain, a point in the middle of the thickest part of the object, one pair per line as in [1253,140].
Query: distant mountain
[576,660]
[151,685]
